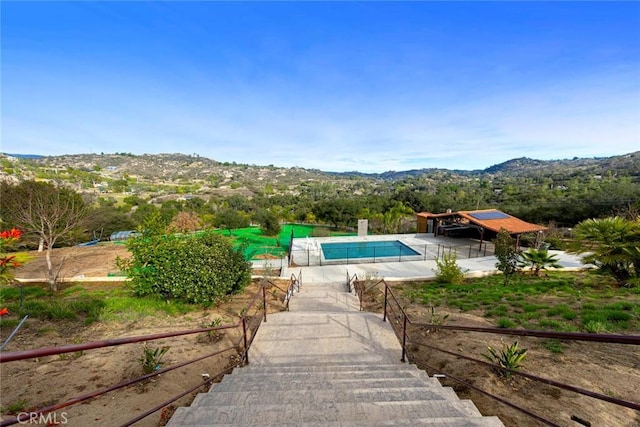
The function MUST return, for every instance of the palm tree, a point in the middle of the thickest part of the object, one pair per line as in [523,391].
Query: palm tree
[392,219]
[538,259]
[612,244]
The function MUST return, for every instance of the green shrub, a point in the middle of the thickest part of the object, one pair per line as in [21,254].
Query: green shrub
[196,269]
[448,270]
[507,255]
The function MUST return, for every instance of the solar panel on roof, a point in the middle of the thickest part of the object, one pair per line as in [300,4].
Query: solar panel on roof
[489,215]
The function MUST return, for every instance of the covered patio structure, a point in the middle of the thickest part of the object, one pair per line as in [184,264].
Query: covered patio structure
[479,224]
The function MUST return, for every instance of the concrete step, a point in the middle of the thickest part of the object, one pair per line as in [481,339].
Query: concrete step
[326,368]
[323,301]
[324,412]
[286,397]
[432,422]
[349,337]
[324,286]
[294,386]
[254,376]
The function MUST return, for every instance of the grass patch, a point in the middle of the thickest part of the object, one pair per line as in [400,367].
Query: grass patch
[77,303]
[505,323]
[554,346]
[8,323]
[501,310]
[530,308]
[128,308]
[562,310]
[560,301]
[16,407]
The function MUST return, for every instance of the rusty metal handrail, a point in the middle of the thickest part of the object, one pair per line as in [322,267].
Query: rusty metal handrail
[614,400]
[576,336]
[498,398]
[351,281]
[573,336]
[68,348]
[174,398]
[47,351]
[99,392]
[294,285]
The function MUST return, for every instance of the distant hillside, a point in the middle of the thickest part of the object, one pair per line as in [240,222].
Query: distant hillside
[627,164]
[182,169]
[157,173]
[24,156]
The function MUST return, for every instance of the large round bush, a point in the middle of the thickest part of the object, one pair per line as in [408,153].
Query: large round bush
[197,268]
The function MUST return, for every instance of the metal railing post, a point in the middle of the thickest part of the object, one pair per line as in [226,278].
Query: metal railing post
[264,301]
[244,336]
[404,339]
[15,330]
[386,291]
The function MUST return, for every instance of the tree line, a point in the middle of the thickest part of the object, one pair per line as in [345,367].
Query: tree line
[53,216]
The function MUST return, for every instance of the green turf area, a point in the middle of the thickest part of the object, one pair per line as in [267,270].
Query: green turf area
[257,244]
[562,301]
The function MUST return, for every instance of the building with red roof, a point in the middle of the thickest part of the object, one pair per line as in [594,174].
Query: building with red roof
[483,224]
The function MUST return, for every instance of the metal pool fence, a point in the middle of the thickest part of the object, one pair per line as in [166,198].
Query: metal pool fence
[429,251]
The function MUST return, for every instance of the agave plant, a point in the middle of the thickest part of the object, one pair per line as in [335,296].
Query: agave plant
[509,357]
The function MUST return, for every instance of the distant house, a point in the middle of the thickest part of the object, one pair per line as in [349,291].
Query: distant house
[481,224]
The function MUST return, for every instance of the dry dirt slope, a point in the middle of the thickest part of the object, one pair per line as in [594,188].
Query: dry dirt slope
[75,262]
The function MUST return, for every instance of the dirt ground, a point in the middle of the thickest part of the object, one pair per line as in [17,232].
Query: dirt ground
[609,369]
[75,262]
[613,370]
[53,379]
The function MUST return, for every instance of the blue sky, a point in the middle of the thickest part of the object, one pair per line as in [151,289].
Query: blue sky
[369,86]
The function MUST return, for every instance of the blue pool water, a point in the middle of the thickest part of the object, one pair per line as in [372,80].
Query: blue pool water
[346,250]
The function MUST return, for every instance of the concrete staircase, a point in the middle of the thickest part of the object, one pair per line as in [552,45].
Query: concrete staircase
[325,363]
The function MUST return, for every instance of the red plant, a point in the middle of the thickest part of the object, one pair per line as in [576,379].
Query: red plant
[13,234]
[8,262]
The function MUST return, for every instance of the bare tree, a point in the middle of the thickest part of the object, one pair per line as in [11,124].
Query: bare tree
[46,211]
[185,222]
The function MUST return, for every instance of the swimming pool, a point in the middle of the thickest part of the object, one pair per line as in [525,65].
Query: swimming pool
[369,249]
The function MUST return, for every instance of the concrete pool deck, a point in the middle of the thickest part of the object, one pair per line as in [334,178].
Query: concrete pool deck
[408,270]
